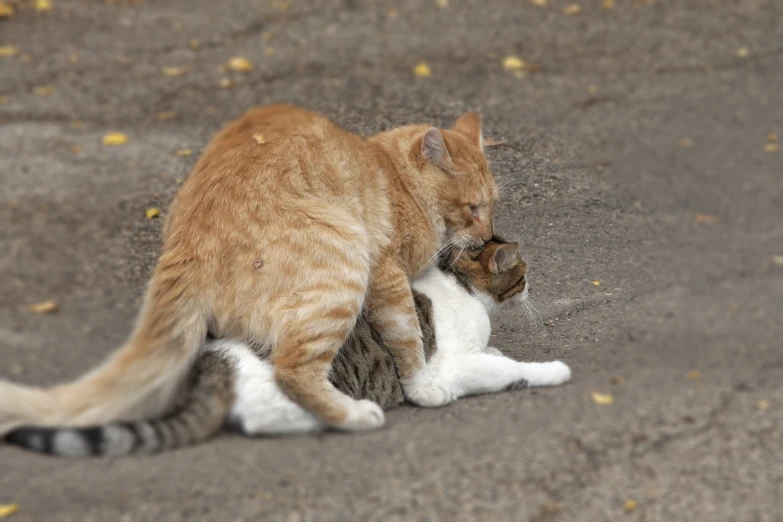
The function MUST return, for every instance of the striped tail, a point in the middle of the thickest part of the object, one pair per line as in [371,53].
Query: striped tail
[200,414]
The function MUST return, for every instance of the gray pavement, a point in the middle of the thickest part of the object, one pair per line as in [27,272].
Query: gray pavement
[681,239]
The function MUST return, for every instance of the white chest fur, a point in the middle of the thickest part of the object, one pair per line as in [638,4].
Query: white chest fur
[461,320]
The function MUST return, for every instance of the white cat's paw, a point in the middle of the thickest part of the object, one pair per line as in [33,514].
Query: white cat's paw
[427,390]
[551,374]
[493,351]
[362,416]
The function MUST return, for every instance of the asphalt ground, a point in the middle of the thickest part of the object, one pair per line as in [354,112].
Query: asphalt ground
[641,181]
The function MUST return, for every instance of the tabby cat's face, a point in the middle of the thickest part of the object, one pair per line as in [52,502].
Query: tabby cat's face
[496,270]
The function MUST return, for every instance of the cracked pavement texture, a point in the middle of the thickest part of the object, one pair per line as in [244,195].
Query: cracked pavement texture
[596,190]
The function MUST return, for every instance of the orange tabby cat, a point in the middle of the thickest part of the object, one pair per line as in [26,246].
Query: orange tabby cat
[286,228]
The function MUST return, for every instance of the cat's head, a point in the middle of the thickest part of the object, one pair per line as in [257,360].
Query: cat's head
[464,185]
[495,272]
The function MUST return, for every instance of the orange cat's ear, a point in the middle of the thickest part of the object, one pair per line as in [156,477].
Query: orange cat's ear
[433,148]
[469,125]
[503,258]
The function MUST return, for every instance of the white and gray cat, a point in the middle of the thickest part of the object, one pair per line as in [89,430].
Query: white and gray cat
[231,381]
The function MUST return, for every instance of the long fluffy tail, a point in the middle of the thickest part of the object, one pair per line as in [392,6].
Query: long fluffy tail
[201,413]
[137,382]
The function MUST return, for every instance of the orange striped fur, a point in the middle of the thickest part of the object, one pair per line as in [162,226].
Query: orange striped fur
[278,241]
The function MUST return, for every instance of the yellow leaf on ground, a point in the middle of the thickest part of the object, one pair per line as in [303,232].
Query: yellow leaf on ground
[597,282]
[602,399]
[152,213]
[9,50]
[240,63]
[183,152]
[45,307]
[630,505]
[165,116]
[778,260]
[742,52]
[46,90]
[769,148]
[489,142]
[226,83]
[694,375]
[6,10]
[43,5]
[685,142]
[115,138]
[443,4]
[762,404]
[259,138]
[705,219]
[572,9]
[607,4]
[173,71]
[422,69]
[8,509]
[513,63]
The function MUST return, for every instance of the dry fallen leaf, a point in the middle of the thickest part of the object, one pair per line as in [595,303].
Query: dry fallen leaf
[9,50]
[572,9]
[183,152]
[489,142]
[592,89]
[193,43]
[8,509]
[173,71]
[45,307]
[769,148]
[45,90]
[607,4]
[694,375]
[685,142]
[616,381]
[778,260]
[742,52]
[422,69]
[259,138]
[772,137]
[240,63]
[226,83]
[443,4]
[165,116]
[705,218]
[762,404]
[43,5]
[152,213]
[596,282]
[513,63]
[539,3]
[6,10]
[115,138]
[630,505]
[602,399]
